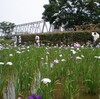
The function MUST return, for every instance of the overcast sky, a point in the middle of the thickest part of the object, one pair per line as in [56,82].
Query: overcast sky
[21,11]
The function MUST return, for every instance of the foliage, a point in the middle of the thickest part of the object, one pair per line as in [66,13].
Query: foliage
[56,38]
[7,27]
[6,41]
[68,13]
[33,64]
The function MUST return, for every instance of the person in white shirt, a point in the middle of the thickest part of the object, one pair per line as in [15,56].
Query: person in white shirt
[95,38]
[37,40]
[19,39]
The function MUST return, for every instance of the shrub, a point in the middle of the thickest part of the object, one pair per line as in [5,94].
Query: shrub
[65,37]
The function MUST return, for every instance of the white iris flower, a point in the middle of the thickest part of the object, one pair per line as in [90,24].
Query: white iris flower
[46,80]
[9,63]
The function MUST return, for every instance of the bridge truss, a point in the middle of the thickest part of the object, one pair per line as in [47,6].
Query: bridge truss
[34,27]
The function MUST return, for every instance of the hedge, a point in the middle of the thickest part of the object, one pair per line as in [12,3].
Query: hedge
[56,38]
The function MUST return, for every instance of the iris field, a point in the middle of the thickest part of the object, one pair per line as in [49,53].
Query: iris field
[24,68]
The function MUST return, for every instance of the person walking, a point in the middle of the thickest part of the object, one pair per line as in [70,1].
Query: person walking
[37,40]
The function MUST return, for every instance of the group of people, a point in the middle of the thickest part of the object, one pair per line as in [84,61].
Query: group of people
[95,36]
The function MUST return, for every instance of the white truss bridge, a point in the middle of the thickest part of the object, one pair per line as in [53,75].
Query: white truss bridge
[35,27]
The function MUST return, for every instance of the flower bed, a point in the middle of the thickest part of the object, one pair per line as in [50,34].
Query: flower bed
[28,70]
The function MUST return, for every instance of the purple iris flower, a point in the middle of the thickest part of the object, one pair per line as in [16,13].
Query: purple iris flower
[35,97]
[32,97]
[38,97]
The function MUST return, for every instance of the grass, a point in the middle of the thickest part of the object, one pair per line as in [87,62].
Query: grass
[30,64]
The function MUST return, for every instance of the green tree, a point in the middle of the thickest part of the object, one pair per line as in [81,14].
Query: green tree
[68,13]
[7,27]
